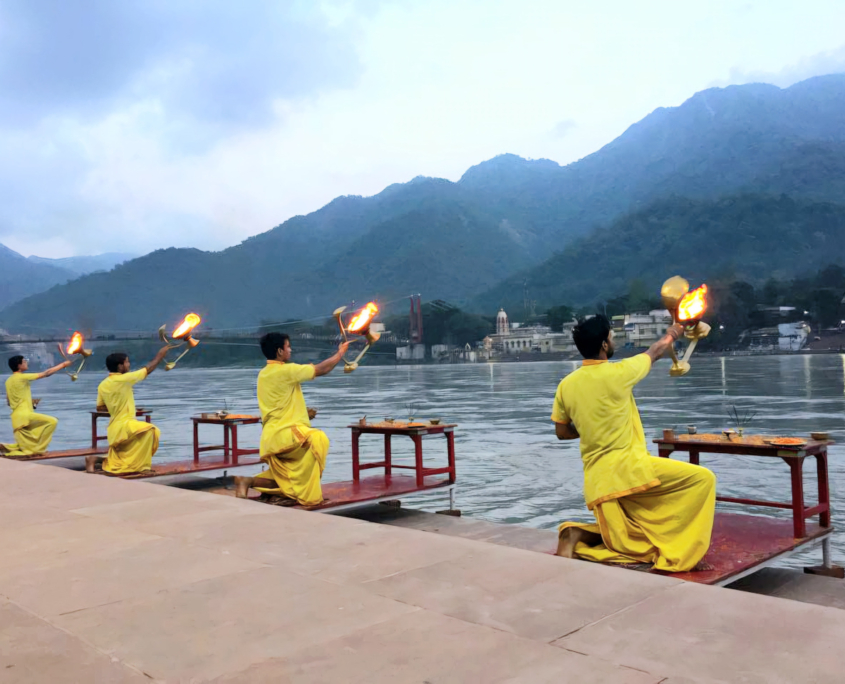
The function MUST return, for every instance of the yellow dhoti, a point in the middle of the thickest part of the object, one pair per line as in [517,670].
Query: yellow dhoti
[134,453]
[33,434]
[668,524]
[297,472]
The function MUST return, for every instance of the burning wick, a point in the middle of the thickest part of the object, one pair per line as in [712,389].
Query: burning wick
[362,320]
[75,347]
[360,325]
[693,305]
[182,333]
[190,322]
[687,308]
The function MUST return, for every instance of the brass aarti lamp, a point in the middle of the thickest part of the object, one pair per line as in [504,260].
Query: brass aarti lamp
[75,347]
[687,309]
[183,334]
[359,325]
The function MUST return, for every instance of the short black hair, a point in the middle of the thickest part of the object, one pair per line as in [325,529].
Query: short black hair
[15,362]
[114,360]
[589,334]
[272,342]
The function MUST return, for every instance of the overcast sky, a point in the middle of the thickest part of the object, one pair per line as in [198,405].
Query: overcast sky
[130,125]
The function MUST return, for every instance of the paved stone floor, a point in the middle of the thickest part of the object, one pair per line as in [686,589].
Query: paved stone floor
[105,580]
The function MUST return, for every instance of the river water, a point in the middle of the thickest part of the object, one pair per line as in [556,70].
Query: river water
[511,468]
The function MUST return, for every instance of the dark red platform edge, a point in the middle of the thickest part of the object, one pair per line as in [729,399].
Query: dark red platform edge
[187,467]
[370,488]
[741,542]
[69,453]
[375,487]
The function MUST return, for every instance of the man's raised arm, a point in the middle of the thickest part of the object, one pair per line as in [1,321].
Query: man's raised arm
[55,369]
[326,367]
[659,348]
[158,358]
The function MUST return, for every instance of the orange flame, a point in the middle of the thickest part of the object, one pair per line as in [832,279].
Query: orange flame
[76,342]
[190,322]
[693,305]
[362,320]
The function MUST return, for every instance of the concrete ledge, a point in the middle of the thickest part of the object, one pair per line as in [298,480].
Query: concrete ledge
[108,580]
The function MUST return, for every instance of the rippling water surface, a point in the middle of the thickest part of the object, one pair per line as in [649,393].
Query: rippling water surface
[510,466]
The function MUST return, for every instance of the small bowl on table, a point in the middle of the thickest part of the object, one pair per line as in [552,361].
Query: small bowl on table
[820,436]
[434,421]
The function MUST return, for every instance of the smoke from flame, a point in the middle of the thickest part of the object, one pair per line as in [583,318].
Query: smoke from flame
[76,342]
[363,317]
[190,322]
[693,305]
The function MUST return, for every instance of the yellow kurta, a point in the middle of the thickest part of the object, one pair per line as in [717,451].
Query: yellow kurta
[294,451]
[647,509]
[132,442]
[33,431]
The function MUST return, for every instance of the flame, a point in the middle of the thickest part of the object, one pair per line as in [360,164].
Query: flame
[362,320]
[693,305]
[76,342]
[190,322]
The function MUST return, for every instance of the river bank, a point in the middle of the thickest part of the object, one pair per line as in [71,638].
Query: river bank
[210,588]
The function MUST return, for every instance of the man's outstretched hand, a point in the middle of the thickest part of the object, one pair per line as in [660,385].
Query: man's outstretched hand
[312,413]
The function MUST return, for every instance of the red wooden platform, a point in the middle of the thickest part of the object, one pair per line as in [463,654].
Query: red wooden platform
[374,489]
[743,543]
[69,453]
[187,467]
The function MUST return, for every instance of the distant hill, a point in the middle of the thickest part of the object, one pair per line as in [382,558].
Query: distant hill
[457,240]
[80,265]
[20,277]
[422,235]
[757,237]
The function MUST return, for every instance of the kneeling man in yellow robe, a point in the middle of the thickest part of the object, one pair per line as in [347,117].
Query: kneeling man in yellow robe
[132,442]
[33,431]
[294,451]
[648,509]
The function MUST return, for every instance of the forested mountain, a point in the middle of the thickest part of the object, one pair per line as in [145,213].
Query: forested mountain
[754,237]
[20,277]
[80,265]
[457,240]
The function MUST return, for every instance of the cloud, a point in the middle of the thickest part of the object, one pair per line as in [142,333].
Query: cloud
[820,64]
[564,128]
[214,62]
[100,98]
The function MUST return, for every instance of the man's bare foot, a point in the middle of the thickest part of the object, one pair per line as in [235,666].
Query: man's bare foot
[91,463]
[571,537]
[242,485]
[702,566]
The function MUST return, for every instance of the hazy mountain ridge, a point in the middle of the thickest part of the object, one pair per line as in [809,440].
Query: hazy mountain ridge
[755,236]
[457,240]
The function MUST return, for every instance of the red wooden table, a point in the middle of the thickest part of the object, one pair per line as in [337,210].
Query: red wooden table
[96,438]
[754,446]
[231,450]
[416,431]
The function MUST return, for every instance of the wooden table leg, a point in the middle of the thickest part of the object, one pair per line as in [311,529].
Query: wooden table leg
[356,472]
[418,459]
[226,447]
[94,440]
[450,447]
[196,442]
[234,430]
[693,457]
[387,456]
[796,470]
[824,487]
